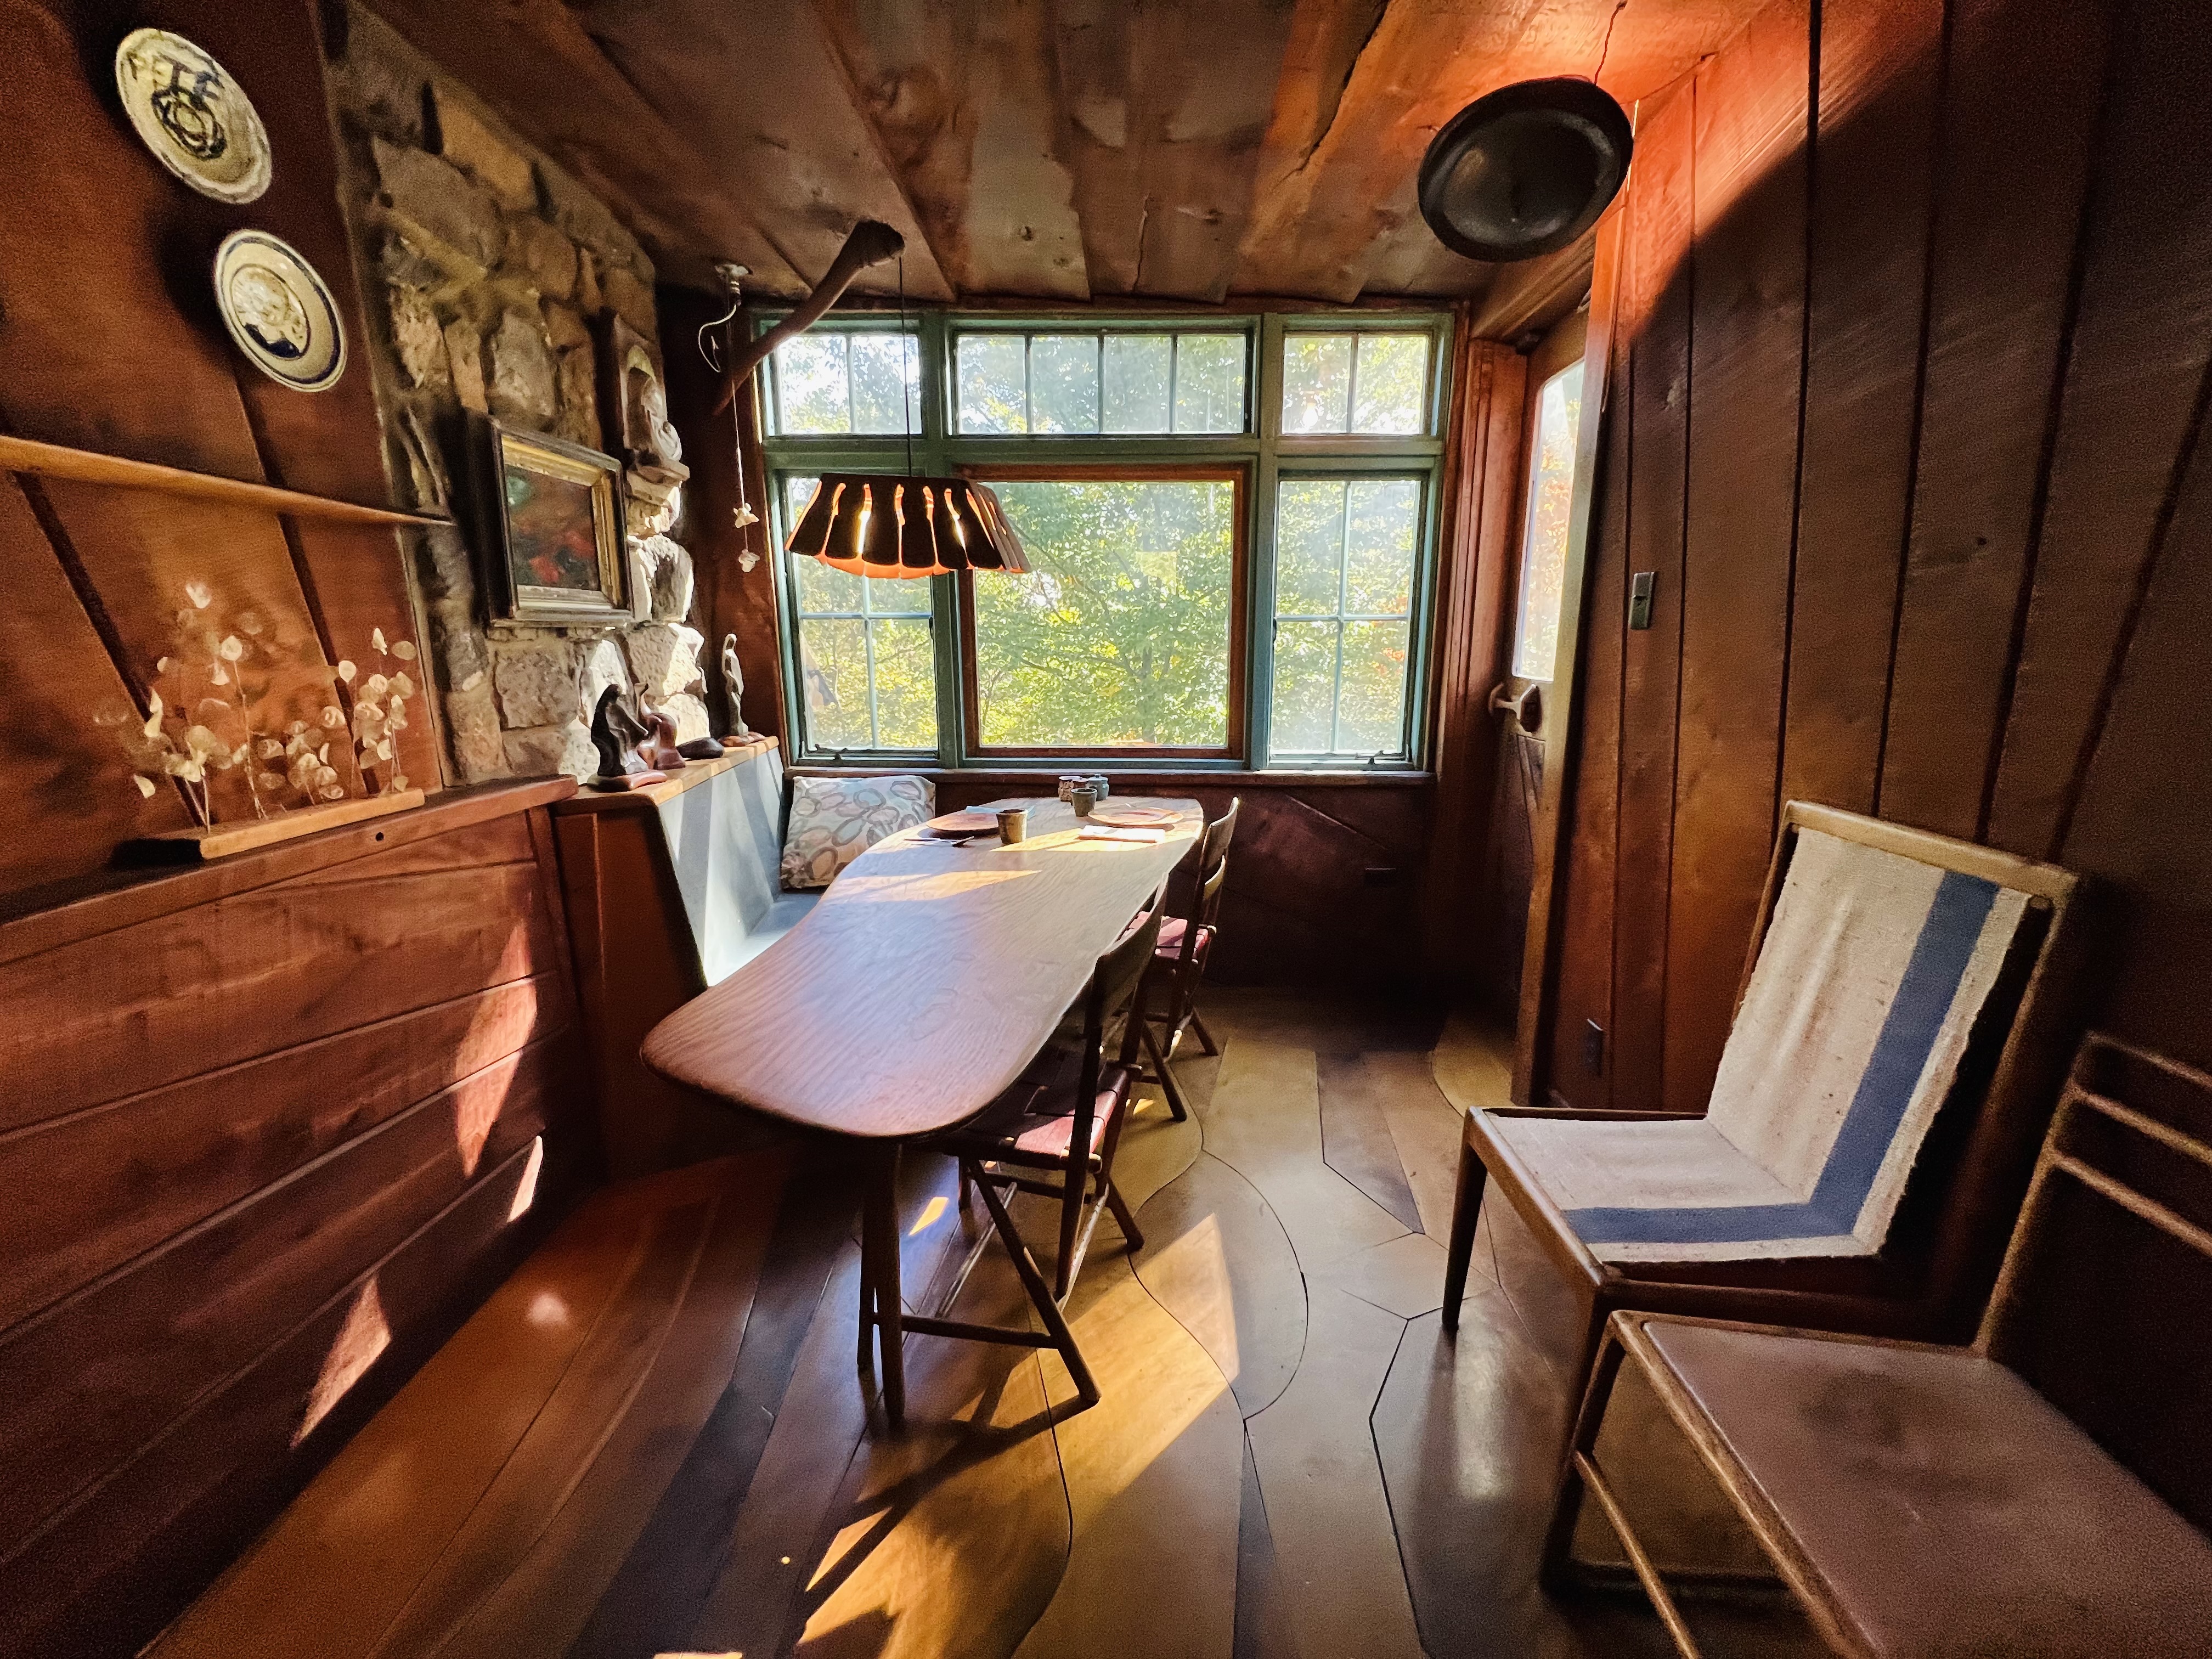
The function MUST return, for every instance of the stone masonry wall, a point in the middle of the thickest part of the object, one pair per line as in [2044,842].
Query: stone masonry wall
[485,268]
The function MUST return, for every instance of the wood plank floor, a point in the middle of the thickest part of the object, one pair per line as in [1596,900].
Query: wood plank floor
[1289,1462]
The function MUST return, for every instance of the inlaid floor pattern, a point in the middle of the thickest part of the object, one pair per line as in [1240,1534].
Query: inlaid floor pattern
[1290,1458]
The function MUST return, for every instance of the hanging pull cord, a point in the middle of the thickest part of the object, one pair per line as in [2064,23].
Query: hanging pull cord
[710,348]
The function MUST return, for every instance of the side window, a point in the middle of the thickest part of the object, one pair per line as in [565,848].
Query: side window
[1344,559]
[868,673]
[1544,546]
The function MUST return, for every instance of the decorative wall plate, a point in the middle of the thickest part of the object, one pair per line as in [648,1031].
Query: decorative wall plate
[192,116]
[278,310]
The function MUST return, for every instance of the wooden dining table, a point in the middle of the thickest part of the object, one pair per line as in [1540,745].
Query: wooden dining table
[916,991]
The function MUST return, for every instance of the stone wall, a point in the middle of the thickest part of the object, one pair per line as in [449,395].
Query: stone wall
[486,272]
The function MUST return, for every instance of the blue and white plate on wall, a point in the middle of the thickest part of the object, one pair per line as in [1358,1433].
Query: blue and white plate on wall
[279,311]
[192,116]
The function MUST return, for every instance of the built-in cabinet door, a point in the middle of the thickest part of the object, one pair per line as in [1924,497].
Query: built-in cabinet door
[1528,739]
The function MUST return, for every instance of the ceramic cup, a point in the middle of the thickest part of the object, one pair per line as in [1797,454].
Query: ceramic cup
[1083,797]
[1068,780]
[1013,824]
[1098,781]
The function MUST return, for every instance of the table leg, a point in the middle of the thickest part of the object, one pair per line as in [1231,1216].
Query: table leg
[879,1273]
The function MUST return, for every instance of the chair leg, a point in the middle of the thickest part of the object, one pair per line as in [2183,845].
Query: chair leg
[880,1241]
[1056,1323]
[1556,1572]
[1072,1188]
[1125,1218]
[1166,1078]
[1205,1041]
[1467,1210]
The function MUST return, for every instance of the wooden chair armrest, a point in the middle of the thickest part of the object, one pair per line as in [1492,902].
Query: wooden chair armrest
[1592,1113]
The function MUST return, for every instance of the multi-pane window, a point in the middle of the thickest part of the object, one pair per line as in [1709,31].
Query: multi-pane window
[832,382]
[1366,384]
[1551,501]
[1344,560]
[1100,383]
[1120,636]
[1213,582]
[867,673]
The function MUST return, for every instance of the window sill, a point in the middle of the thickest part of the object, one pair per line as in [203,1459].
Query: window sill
[1132,778]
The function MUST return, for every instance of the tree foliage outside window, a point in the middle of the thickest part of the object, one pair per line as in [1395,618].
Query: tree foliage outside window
[1343,600]
[867,670]
[1551,506]
[1119,635]
[1366,384]
[1099,383]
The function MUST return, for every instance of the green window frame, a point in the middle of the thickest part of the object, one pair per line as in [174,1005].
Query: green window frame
[1262,455]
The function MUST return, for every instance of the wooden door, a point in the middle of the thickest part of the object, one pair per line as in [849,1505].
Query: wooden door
[1529,739]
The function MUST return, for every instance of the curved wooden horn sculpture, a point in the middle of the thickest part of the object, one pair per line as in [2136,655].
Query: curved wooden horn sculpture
[870,243]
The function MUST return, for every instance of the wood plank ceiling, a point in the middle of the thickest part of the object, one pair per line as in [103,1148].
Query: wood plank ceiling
[1052,149]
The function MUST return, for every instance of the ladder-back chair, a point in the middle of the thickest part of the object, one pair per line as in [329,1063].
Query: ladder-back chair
[1061,1118]
[1178,964]
[2043,1494]
[1901,1034]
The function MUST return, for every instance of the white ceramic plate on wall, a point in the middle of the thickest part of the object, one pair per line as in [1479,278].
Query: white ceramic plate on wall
[187,110]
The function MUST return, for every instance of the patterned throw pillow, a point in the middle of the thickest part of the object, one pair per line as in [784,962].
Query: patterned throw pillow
[835,820]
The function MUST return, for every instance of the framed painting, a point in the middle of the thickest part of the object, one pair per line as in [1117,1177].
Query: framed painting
[553,523]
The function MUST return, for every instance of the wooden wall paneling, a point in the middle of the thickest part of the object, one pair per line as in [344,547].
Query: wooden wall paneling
[141,1345]
[1471,627]
[1583,989]
[97,1187]
[732,600]
[113,1568]
[2142,825]
[1740,523]
[1656,320]
[962,102]
[2021,109]
[295,962]
[62,765]
[2135,384]
[1530,297]
[1872,179]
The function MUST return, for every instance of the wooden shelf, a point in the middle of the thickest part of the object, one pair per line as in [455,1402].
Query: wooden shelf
[43,460]
[695,773]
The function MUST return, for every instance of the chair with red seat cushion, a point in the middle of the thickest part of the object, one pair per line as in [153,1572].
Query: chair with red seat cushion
[1063,1116]
[1178,964]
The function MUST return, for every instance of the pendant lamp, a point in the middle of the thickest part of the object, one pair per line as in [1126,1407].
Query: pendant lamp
[872,523]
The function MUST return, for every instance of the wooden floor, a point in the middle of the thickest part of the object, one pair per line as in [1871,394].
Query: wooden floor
[1289,1459]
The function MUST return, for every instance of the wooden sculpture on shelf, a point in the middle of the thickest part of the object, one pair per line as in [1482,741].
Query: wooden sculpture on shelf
[617,734]
[659,749]
[733,687]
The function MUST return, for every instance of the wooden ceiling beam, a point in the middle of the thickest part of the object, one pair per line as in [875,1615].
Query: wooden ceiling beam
[1344,218]
[533,62]
[1167,108]
[765,92]
[962,99]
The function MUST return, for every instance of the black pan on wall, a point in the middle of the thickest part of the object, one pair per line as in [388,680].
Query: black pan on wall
[1526,169]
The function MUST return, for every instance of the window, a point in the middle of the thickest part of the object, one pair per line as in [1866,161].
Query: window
[1365,384]
[1102,383]
[831,382]
[1230,522]
[1551,502]
[865,663]
[1344,604]
[1123,634]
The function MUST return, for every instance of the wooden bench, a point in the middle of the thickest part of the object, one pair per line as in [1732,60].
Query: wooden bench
[489,1507]
[2040,1495]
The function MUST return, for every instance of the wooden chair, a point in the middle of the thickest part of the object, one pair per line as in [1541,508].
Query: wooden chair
[2041,1494]
[1888,1074]
[1178,964]
[1063,1116]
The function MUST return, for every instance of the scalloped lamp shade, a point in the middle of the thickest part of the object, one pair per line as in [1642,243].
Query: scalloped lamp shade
[871,524]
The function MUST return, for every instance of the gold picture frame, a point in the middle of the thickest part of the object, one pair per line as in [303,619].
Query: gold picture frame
[553,524]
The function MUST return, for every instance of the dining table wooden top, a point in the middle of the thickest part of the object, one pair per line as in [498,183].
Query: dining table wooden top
[928,976]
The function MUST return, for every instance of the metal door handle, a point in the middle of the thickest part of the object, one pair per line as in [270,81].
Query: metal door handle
[1527,707]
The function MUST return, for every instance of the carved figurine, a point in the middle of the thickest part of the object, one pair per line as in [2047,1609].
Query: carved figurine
[615,734]
[733,687]
[659,749]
